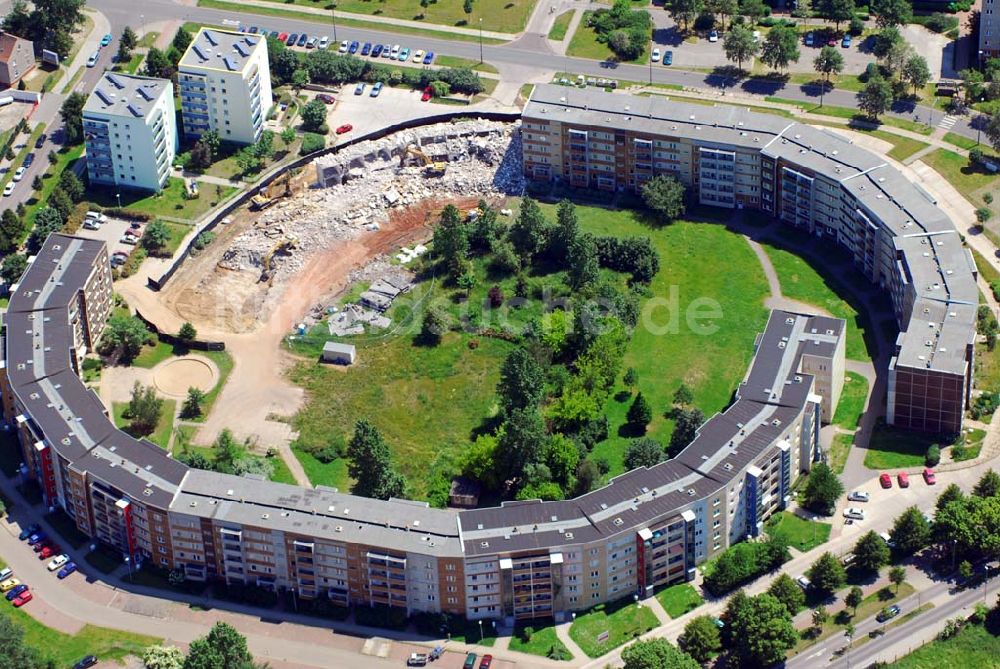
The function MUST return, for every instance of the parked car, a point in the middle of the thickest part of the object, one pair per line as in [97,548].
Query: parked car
[885,480]
[887,538]
[847,560]
[756,35]
[655,55]
[417,660]
[274,34]
[106,40]
[49,551]
[832,40]
[418,56]
[887,613]
[291,39]
[344,129]
[436,653]
[92,61]
[324,41]
[930,478]
[395,50]
[91,225]
[28,531]
[326,98]
[854,513]
[252,31]
[376,89]
[6,573]
[810,39]
[387,51]
[668,58]
[859,496]
[377,50]
[353,48]
[311,44]
[429,58]
[713,36]
[303,38]
[404,54]
[9,584]
[427,95]
[846,42]
[22,599]
[16,591]
[40,142]
[470,661]
[282,37]
[131,240]
[903,479]
[37,538]
[360,88]
[86,662]
[19,173]
[9,188]
[804,582]
[366,48]
[344,46]
[57,562]
[486,662]
[28,159]
[97,216]
[66,570]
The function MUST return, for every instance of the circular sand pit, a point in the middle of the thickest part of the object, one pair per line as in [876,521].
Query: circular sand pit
[174,377]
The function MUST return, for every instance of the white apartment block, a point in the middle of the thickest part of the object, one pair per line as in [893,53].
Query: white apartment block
[225,86]
[130,131]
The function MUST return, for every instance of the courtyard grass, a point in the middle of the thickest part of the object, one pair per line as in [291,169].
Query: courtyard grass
[65,649]
[974,646]
[332,474]
[224,362]
[506,16]
[542,641]
[164,428]
[65,159]
[679,599]
[892,448]
[281,473]
[622,620]
[153,354]
[798,533]
[967,179]
[961,141]
[840,448]
[560,26]
[584,44]
[813,285]
[852,401]
[455,61]
[170,202]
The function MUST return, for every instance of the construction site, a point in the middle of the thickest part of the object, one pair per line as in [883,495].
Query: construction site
[369,200]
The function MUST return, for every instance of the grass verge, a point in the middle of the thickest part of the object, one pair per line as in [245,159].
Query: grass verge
[622,621]
[560,26]
[797,532]
[65,649]
[164,428]
[541,641]
[679,599]
[852,401]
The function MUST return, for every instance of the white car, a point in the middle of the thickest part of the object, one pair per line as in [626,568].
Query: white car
[91,225]
[395,50]
[58,561]
[803,582]
[19,174]
[887,539]
[343,46]
[129,239]
[854,513]
[97,217]
[92,61]
[8,189]
[655,56]
[418,56]
[859,496]
[324,41]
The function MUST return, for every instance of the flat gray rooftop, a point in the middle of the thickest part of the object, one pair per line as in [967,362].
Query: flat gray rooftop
[221,50]
[125,95]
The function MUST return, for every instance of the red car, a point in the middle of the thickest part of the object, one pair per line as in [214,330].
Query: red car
[904,480]
[347,127]
[428,94]
[885,481]
[486,662]
[326,98]
[22,599]
[49,551]
[283,36]
[832,41]
[929,477]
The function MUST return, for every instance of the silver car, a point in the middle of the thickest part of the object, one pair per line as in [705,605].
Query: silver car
[859,496]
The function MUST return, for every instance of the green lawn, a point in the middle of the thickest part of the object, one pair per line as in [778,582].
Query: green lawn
[852,401]
[333,474]
[891,448]
[168,202]
[902,147]
[974,646]
[506,16]
[839,450]
[679,599]
[961,141]
[455,61]
[543,641]
[281,473]
[160,436]
[813,285]
[560,26]
[798,533]
[153,354]
[986,270]
[584,44]
[966,179]
[623,621]
[65,649]
[65,157]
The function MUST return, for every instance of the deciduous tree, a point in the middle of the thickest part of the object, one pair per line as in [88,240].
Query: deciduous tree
[823,489]
[71,113]
[656,654]
[644,452]
[854,598]
[910,532]
[664,195]
[875,98]
[827,574]
[891,12]
[780,48]
[739,45]
[787,591]
[143,410]
[522,381]
[371,464]
[871,553]
[700,639]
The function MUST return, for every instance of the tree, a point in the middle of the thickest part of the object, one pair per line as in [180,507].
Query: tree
[314,117]
[124,51]
[761,631]
[222,648]
[300,78]
[950,494]
[467,8]
[71,113]
[875,98]
[13,267]
[187,333]
[656,654]
[897,575]
[451,240]
[47,221]
[684,11]
[126,334]
[823,489]
[916,72]
[639,413]
[17,654]
[854,598]
[992,130]
[819,617]
[739,45]
[871,553]
[61,202]
[725,9]
[522,382]
[933,455]
[787,591]
[520,443]
[781,47]
[288,135]
[371,464]
[753,10]
[643,452]
[911,531]
[143,410]
[964,570]
[158,64]
[988,485]
[70,184]
[837,11]
[664,195]
[683,396]
[887,39]
[827,573]
[686,424]
[529,232]
[584,269]
[828,62]
[182,40]
[156,236]
[163,657]
[192,403]
[700,639]
[891,12]
[631,378]
[37,183]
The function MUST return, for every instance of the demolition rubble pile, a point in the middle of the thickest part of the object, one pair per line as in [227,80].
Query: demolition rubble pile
[358,187]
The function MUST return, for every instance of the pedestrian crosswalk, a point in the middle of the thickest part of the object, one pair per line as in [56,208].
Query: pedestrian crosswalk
[947,122]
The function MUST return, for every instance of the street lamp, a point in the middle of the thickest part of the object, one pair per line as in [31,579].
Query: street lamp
[128,562]
[480,39]
[333,14]
[119,197]
[480,622]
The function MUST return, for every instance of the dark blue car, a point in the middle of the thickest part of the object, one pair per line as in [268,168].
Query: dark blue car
[28,531]
[37,538]
[14,592]
[291,39]
[429,58]
[366,49]
[353,48]
[377,51]
[68,569]
[303,38]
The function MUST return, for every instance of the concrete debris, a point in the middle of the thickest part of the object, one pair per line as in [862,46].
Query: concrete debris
[353,318]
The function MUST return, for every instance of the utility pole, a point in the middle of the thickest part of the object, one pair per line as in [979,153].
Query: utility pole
[480,40]
[333,15]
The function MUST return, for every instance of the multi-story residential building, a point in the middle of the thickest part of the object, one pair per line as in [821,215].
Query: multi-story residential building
[130,131]
[225,85]
[17,58]
[989,30]
[519,561]
[807,177]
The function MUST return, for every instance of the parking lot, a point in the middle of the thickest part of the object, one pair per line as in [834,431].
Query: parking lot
[110,233]
[365,113]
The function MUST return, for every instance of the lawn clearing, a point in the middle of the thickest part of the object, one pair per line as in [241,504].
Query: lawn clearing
[161,435]
[560,26]
[153,354]
[961,141]
[584,44]
[967,179]
[170,202]
[505,16]
[623,621]
[974,646]
[65,649]
[852,401]
[892,448]
[798,533]
[542,640]
[679,599]
[281,472]
[840,448]
[455,61]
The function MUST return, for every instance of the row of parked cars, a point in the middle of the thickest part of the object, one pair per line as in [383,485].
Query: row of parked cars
[388,51]
[94,57]
[18,593]
[421,659]
[831,39]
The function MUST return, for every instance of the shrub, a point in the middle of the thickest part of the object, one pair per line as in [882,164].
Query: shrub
[856,27]
[983,214]
[311,142]
[933,456]
[744,562]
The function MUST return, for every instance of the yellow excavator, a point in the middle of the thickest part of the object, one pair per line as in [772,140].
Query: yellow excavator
[267,194]
[283,245]
[431,168]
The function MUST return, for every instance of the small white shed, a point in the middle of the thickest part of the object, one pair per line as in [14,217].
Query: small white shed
[341,354]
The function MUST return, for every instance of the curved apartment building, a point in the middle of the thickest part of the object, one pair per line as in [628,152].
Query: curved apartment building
[646,528]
